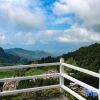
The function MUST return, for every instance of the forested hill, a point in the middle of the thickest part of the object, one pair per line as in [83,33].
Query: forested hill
[27,54]
[9,59]
[87,57]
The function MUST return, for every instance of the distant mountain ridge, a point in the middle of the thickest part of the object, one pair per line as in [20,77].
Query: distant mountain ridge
[9,59]
[27,54]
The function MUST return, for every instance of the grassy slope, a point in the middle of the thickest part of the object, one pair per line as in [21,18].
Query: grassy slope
[24,72]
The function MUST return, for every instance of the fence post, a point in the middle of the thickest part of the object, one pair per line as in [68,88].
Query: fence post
[61,71]
[99,86]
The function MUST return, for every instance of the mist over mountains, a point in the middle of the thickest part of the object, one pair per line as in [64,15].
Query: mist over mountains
[27,54]
[19,56]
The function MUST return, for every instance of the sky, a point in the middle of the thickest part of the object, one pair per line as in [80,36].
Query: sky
[56,26]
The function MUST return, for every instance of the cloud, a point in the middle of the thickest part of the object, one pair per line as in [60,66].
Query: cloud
[85,10]
[46,36]
[60,9]
[2,38]
[23,38]
[31,38]
[79,34]
[73,34]
[21,13]
[63,20]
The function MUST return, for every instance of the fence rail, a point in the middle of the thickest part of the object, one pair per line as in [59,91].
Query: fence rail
[28,90]
[61,76]
[30,66]
[82,70]
[72,92]
[80,83]
[30,77]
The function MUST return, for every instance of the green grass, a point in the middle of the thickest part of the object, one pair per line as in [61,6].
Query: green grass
[7,73]
[39,71]
[25,72]
[34,72]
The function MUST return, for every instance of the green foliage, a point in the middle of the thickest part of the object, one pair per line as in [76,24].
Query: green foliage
[7,73]
[37,82]
[48,59]
[12,73]
[69,96]
[38,95]
[86,57]
[71,61]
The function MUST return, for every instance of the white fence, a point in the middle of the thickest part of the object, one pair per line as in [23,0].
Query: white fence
[61,76]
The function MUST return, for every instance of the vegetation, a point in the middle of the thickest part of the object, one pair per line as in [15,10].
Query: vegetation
[69,96]
[37,82]
[85,57]
[38,95]
[50,93]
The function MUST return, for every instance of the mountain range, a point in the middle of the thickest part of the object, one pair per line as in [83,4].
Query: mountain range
[87,57]
[8,59]
[27,54]
[19,56]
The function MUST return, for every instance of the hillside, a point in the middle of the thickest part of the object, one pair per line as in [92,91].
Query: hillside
[86,57]
[9,59]
[26,54]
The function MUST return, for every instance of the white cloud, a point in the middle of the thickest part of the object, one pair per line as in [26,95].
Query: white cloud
[60,9]
[73,34]
[24,38]
[79,34]
[46,36]
[29,38]
[2,38]
[63,20]
[86,10]
[18,12]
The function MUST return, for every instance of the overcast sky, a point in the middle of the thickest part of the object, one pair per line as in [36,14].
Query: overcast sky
[49,25]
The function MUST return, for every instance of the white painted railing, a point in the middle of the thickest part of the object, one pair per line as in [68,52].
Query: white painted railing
[61,76]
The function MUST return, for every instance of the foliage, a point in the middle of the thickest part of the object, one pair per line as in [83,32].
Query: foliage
[69,96]
[37,82]
[38,95]
[86,57]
